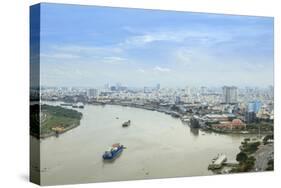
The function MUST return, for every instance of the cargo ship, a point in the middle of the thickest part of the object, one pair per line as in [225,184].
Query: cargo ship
[113,152]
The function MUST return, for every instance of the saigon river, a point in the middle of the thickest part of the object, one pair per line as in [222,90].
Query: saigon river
[158,146]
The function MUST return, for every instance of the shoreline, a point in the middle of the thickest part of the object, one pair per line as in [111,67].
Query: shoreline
[235,132]
[53,133]
[178,115]
[44,136]
[173,114]
[61,121]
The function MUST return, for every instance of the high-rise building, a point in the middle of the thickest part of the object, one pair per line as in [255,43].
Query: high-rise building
[254,106]
[91,93]
[187,91]
[271,91]
[177,100]
[158,87]
[229,94]
[203,90]
[106,87]
[250,117]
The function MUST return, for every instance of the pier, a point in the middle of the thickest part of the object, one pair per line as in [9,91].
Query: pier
[218,162]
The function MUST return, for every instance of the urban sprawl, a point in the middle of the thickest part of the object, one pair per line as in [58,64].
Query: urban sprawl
[227,109]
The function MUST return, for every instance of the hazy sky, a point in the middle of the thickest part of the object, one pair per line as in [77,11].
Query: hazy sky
[90,46]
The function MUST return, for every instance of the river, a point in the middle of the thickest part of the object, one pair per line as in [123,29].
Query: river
[158,146]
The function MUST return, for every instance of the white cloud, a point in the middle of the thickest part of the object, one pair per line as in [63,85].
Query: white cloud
[177,36]
[161,69]
[86,49]
[141,70]
[59,55]
[114,60]
[143,39]
[191,55]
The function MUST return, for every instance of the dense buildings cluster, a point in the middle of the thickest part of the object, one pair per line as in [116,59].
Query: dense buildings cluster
[226,107]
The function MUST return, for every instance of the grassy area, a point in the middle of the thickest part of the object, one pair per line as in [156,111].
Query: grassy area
[54,117]
[263,126]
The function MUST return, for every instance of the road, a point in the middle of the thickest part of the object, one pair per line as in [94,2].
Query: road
[263,155]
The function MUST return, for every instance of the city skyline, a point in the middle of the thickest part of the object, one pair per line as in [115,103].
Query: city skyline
[154,85]
[146,47]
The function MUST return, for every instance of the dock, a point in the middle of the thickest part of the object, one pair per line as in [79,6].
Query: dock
[217,162]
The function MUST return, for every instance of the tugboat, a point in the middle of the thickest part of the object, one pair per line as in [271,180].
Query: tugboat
[126,124]
[113,152]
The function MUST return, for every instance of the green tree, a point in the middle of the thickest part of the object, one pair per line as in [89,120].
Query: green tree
[241,157]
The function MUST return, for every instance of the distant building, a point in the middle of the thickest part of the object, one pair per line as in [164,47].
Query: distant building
[177,100]
[234,124]
[122,88]
[118,87]
[113,88]
[217,117]
[271,90]
[106,87]
[229,94]
[147,89]
[158,87]
[203,90]
[250,117]
[92,93]
[187,91]
[254,106]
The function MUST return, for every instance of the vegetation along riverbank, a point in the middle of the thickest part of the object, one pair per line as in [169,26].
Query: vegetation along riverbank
[55,120]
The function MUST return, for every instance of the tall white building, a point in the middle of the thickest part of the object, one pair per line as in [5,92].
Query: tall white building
[187,91]
[229,94]
[91,93]
[158,87]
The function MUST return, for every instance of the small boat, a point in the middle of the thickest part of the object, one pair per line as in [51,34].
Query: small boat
[66,104]
[113,152]
[80,105]
[126,124]
[74,106]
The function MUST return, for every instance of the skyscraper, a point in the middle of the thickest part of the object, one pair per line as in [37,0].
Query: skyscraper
[254,106]
[229,94]
[158,87]
[91,93]
[203,90]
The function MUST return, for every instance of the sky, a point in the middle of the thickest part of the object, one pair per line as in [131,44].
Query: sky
[90,46]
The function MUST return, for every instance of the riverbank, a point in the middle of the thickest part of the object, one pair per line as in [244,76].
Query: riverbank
[151,139]
[256,155]
[53,133]
[243,132]
[264,129]
[56,120]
